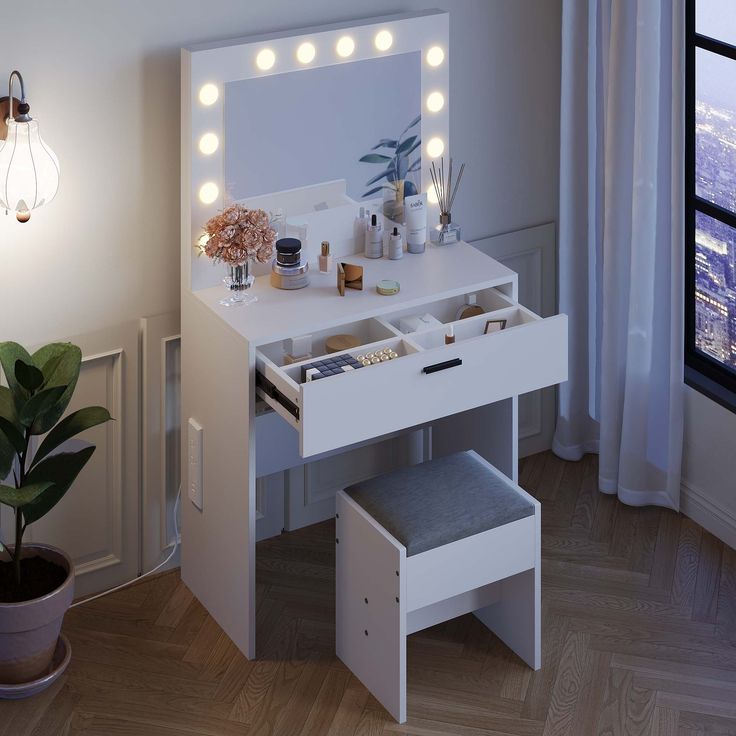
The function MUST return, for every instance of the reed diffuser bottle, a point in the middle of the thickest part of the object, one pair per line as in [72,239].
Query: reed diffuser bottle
[446,232]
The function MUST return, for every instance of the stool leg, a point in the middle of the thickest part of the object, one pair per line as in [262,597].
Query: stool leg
[515,618]
[370,616]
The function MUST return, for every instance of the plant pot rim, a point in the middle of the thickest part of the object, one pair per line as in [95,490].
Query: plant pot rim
[55,591]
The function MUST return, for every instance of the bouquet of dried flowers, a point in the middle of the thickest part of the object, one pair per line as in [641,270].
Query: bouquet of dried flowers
[238,234]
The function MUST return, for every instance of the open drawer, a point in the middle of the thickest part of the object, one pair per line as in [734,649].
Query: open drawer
[427,380]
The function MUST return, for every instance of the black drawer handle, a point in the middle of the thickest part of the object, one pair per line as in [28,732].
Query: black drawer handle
[442,366]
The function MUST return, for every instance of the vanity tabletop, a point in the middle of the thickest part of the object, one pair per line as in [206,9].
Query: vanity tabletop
[440,272]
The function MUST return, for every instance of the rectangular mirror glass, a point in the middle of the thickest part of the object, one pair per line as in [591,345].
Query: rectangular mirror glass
[321,139]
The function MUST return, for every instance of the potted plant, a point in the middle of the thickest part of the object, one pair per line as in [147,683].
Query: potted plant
[36,581]
[397,169]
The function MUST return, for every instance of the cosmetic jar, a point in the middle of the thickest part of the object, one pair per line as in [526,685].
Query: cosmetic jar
[288,271]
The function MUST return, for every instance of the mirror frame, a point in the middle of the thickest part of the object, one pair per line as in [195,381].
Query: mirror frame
[218,63]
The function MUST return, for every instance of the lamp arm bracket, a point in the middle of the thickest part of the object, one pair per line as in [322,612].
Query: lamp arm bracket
[5,113]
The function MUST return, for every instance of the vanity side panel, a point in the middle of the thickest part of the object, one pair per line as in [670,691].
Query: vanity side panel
[218,543]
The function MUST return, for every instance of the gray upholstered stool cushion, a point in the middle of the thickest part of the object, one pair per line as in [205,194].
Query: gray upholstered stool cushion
[441,501]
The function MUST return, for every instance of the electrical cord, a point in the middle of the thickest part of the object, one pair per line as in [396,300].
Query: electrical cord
[145,574]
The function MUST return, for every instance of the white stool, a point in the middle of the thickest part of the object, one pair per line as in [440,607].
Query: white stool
[425,544]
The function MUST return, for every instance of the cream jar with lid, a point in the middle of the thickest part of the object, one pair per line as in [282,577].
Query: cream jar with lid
[288,271]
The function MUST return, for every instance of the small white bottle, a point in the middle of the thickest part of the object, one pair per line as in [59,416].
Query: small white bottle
[374,239]
[359,230]
[395,245]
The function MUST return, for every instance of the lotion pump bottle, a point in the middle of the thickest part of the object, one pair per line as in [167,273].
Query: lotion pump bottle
[325,259]
[395,245]
[374,239]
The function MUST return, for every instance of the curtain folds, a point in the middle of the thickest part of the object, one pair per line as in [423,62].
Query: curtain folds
[621,243]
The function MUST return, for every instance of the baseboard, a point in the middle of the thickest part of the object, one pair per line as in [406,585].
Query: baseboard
[712,516]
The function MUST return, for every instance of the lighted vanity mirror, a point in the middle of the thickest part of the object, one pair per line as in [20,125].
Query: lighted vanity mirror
[312,125]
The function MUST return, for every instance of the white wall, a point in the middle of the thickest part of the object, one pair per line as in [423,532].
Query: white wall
[709,466]
[103,80]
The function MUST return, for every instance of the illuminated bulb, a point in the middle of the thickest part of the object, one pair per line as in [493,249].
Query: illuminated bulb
[208,94]
[435,102]
[203,239]
[265,59]
[306,53]
[208,144]
[208,193]
[383,40]
[435,56]
[432,195]
[345,47]
[435,147]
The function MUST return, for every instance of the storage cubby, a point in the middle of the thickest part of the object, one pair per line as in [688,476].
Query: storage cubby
[368,331]
[446,310]
[401,346]
[473,327]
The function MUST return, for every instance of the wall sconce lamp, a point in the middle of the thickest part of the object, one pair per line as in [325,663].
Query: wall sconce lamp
[29,169]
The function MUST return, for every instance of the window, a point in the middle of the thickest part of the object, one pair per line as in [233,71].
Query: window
[710,191]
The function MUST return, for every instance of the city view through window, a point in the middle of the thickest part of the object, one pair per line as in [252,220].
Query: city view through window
[715,173]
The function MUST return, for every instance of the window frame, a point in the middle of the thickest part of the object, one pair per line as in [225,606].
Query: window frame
[705,374]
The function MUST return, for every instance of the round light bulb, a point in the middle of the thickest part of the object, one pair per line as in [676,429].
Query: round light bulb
[208,193]
[306,53]
[265,59]
[383,40]
[345,47]
[208,144]
[208,94]
[435,101]
[432,195]
[435,147]
[204,238]
[435,56]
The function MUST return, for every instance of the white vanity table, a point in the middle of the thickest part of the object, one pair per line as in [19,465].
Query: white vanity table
[258,418]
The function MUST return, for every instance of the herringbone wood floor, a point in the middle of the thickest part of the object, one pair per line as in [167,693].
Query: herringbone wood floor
[639,632]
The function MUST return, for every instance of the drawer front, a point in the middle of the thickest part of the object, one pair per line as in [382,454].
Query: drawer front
[430,384]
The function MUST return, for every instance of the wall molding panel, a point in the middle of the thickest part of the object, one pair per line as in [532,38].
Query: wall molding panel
[160,436]
[97,521]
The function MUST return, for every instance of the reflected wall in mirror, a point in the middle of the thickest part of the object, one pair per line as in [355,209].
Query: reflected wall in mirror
[358,121]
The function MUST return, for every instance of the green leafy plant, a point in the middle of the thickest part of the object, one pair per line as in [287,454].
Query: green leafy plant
[39,389]
[395,161]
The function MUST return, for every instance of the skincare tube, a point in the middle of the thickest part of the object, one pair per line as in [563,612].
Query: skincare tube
[416,222]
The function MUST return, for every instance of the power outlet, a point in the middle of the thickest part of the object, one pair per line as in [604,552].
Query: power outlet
[196,457]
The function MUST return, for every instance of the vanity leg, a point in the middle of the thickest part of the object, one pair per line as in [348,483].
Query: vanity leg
[218,541]
[491,430]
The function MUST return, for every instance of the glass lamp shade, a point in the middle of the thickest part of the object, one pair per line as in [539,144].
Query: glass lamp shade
[29,169]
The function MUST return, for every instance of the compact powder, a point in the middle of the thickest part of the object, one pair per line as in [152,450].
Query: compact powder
[387,287]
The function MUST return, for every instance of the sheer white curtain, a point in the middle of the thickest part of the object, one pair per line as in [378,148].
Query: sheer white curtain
[621,243]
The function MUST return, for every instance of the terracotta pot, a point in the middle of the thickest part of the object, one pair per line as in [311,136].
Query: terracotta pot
[29,630]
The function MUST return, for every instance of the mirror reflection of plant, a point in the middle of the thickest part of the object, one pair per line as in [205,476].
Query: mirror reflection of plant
[397,166]
[39,389]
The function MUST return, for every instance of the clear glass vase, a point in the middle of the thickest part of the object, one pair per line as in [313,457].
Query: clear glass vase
[238,280]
